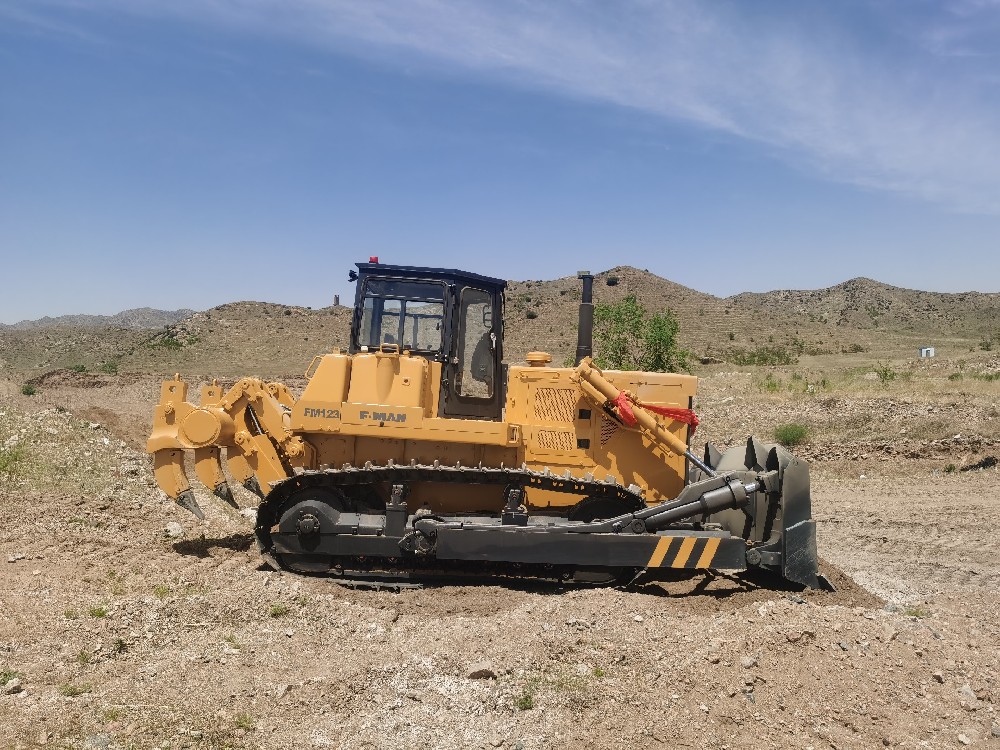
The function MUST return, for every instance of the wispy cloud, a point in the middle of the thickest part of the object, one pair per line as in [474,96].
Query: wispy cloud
[21,15]
[818,84]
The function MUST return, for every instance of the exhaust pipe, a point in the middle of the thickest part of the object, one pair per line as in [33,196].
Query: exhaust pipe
[585,329]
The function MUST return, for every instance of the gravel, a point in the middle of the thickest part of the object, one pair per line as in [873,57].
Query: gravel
[144,640]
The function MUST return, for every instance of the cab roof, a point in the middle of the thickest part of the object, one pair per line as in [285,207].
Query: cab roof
[435,274]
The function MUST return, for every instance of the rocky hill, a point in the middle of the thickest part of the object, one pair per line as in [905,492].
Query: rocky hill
[867,305]
[859,316]
[136,318]
[240,338]
[42,349]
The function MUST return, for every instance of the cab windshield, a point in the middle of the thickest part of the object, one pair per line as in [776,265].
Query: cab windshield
[409,314]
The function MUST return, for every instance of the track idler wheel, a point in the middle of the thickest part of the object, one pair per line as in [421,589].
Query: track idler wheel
[306,513]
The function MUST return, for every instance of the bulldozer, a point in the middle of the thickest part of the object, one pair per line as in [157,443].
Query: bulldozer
[420,453]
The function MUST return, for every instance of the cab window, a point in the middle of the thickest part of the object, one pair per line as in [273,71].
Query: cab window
[409,314]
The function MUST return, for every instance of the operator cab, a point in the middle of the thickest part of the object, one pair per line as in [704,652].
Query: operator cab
[444,315]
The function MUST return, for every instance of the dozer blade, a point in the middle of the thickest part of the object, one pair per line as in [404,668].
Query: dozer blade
[168,468]
[757,454]
[778,524]
[208,467]
[799,558]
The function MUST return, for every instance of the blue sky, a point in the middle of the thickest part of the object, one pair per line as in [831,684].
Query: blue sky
[194,152]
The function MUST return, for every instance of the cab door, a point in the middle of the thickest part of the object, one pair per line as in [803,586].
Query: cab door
[471,385]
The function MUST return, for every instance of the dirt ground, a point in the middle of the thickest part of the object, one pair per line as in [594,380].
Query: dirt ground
[115,635]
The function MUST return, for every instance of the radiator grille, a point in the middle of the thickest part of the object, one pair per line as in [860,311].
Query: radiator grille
[555,404]
[555,440]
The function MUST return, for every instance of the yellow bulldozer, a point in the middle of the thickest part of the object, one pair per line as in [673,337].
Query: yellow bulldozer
[420,453]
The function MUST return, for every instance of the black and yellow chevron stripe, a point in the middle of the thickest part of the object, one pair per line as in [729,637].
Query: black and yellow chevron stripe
[685,552]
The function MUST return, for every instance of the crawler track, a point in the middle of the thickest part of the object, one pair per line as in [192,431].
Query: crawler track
[345,482]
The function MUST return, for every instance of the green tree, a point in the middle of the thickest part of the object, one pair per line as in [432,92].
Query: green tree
[629,338]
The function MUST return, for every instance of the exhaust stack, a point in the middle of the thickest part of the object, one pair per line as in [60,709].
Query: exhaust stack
[585,329]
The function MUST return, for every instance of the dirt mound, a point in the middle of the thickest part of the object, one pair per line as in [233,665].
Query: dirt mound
[72,379]
[937,451]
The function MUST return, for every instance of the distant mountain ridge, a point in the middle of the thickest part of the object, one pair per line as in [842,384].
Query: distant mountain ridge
[138,318]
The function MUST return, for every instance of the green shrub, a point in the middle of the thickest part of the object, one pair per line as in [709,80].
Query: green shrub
[78,368]
[245,722]
[169,342]
[279,610]
[10,459]
[885,373]
[770,384]
[627,337]
[525,701]
[71,691]
[28,389]
[530,314]
[955,376]
[109,368]
[791,434]
[771,356]
[612,281]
